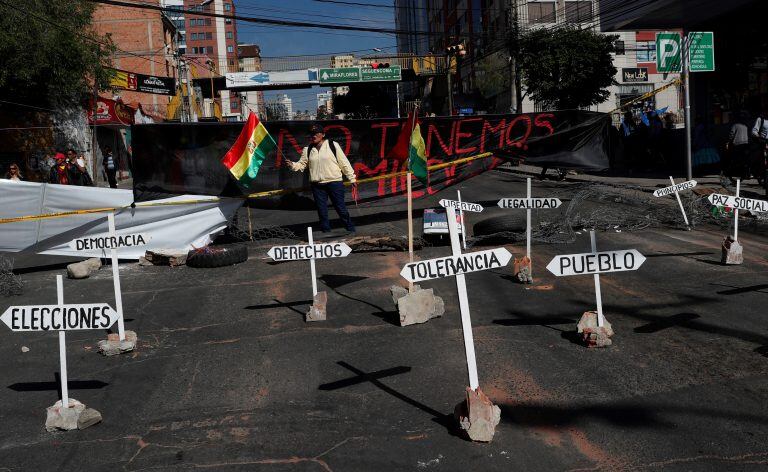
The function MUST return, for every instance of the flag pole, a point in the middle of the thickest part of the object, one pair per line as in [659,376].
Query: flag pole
[410,198]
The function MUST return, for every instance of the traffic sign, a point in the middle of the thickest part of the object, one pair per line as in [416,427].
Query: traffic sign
[309,251]
[530,203]
[380,74]
[738,203]
[668,52]
[464,206]
[596,262]
[687,185]
[339,75]
[701,51]
[59,317]
[455,265]
[90,243]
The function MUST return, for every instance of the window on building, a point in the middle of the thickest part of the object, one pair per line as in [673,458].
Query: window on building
[182,37]
[578,11]
[182,51]
[208,35]
[228,21]
[209,50]
[233,105]
[194,50]
[207,22]
[230,49]
[229,35]
[231,62]
[620,48]
[227,7]
[646,51]
[541,12]
[193,37]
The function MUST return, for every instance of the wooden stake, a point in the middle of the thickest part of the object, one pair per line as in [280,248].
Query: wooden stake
[410,225]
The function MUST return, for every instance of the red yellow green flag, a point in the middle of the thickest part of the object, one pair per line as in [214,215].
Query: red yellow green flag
[417,156]
[249,151]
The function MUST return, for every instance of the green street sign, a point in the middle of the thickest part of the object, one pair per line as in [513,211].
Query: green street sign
[668,52]
[369,74]
[340,75]
[702,51]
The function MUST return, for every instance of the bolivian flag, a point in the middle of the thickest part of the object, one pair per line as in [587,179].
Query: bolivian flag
[251,148]
[417,156]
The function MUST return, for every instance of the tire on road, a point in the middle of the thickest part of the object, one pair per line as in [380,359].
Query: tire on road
[217,256]
[512,222]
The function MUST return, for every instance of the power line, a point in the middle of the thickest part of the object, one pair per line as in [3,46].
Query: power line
[265,21]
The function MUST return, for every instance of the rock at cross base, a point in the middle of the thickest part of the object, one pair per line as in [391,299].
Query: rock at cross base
[733,252]
[59,418]
[419,306]
[88,418]
[477,416]
[399,292]
[83,269]
[113,346]
[317,310]
[591,334]
[522,269]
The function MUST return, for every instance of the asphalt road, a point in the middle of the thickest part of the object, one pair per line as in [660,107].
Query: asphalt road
[228,376]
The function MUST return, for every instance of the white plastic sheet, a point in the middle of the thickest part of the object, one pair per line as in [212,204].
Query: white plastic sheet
[183,226]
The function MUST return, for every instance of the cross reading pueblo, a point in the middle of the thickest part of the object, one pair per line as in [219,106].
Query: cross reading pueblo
[600,262]
[53,317]
[454,265]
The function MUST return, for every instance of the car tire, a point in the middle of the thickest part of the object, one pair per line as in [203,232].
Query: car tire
[514,223]
[217,256]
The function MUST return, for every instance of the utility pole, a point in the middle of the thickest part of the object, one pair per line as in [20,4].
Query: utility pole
[94,137]
[512,42]
[450,85]
[686,53]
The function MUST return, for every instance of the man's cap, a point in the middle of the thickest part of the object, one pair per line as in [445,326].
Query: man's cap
[316,129]
[60,156]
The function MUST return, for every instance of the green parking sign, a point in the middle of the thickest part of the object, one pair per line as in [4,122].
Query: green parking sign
[668,52]
[702,51]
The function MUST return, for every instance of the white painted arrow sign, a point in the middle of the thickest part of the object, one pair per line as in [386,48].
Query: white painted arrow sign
[465,206]
[454,265]
[675,188]
[530,203]
[105,241]
[59,317]
[738,203]
[309,251]
[596,262]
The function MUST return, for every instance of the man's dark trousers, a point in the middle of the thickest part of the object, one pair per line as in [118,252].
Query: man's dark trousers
[112,177]
[334,190]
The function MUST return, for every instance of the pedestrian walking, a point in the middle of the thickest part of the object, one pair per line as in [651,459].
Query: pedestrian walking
[759,155]
[110,166]
[13,173]
[78,174]
[327,166]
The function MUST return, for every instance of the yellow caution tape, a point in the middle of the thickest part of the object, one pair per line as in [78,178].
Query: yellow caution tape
[270,193]
[647,95]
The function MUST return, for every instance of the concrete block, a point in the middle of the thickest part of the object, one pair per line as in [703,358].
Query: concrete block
[732,252]
[317,312]
[477,416]
[419,306]
[591,334]
[83,269]
[88,418]
[166,257]
[112,346]
[522,269]
[60,418]
[399,292]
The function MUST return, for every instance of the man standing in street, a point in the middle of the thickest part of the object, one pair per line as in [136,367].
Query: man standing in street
[327,166]
[110,166]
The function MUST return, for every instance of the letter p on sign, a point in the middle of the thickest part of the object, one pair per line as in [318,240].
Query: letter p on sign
[668,49]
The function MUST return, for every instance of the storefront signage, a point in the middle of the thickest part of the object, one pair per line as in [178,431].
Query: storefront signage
[634,74]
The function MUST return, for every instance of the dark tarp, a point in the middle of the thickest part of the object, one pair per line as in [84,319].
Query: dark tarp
[184,158]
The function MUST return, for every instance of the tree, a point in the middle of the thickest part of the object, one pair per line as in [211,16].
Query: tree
[322,113]
[493,76]
[49,54]
[567,68]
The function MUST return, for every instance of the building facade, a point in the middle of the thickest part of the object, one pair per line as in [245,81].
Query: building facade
[249,57]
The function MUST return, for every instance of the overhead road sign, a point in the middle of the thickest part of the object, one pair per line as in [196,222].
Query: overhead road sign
[265,80]
[339,75]
[381,74]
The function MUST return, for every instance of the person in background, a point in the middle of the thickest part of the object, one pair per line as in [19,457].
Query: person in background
[758,158]
[737,150]
[327,166]
[78,175]
[13,173]
[59,173]
[110,166]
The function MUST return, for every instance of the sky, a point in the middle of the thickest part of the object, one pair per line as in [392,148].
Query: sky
[278,41]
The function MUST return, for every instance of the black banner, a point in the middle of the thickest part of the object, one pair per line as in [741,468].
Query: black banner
[172,158]
[143,83]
